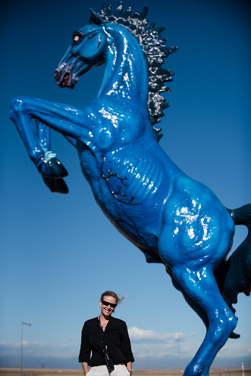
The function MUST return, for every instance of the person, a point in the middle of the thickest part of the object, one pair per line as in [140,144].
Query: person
[105,343]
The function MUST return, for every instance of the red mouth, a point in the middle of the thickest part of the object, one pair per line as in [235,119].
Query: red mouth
[64,79]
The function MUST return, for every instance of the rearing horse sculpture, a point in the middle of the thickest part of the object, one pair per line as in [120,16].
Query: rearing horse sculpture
[171,218]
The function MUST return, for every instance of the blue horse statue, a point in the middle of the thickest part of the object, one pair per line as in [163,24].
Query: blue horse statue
[170,217]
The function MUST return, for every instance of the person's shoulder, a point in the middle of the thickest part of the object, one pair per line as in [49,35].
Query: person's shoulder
[90,321]
[118,322]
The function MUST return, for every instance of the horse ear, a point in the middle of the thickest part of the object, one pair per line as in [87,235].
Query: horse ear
[95,18]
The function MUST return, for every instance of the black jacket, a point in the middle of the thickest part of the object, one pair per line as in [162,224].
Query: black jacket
[115,337]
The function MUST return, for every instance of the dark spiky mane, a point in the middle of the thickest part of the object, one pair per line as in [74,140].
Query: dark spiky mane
[154,49]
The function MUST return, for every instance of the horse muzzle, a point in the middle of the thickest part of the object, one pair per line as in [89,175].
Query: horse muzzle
[65,77]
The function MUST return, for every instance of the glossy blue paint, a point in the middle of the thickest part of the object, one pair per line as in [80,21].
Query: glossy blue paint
[171,218]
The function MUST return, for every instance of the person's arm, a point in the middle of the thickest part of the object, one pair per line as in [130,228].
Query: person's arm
[85,349]
[129,367]
[85,367]
[126,347]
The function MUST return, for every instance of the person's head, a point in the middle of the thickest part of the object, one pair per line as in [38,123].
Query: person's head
[108,302]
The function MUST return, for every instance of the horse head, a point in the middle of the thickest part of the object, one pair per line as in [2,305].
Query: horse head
[87,50]
[91,43]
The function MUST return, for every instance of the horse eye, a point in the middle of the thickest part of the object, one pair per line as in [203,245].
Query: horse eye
[76,38]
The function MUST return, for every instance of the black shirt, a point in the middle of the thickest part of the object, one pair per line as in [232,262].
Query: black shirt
[115,337]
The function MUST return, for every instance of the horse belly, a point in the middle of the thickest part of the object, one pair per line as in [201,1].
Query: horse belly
[131,195]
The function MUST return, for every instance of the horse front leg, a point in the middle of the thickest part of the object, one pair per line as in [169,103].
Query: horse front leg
[55,171]
[33,119]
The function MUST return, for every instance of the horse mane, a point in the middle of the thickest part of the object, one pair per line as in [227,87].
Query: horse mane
[154,49]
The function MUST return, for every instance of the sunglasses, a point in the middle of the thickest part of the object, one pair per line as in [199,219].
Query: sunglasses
[108,304]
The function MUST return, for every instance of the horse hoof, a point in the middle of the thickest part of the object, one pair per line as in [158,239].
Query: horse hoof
[56,185]
[234,335]
[56,169]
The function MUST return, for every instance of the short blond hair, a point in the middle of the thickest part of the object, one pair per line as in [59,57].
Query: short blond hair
[113,294]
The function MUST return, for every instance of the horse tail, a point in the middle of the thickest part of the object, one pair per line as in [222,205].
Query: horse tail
[234,275]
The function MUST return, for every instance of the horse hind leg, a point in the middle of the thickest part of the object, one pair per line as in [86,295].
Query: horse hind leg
[200,286]
[236,276]
[192,303]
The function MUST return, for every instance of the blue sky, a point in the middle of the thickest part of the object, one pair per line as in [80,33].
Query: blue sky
[59,252]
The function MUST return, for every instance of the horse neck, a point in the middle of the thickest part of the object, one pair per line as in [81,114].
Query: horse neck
[126,69]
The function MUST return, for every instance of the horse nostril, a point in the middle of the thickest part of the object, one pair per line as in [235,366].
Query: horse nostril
[56,74]
[66,78]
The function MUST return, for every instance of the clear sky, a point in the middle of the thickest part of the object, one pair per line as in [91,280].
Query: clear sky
[59,252]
